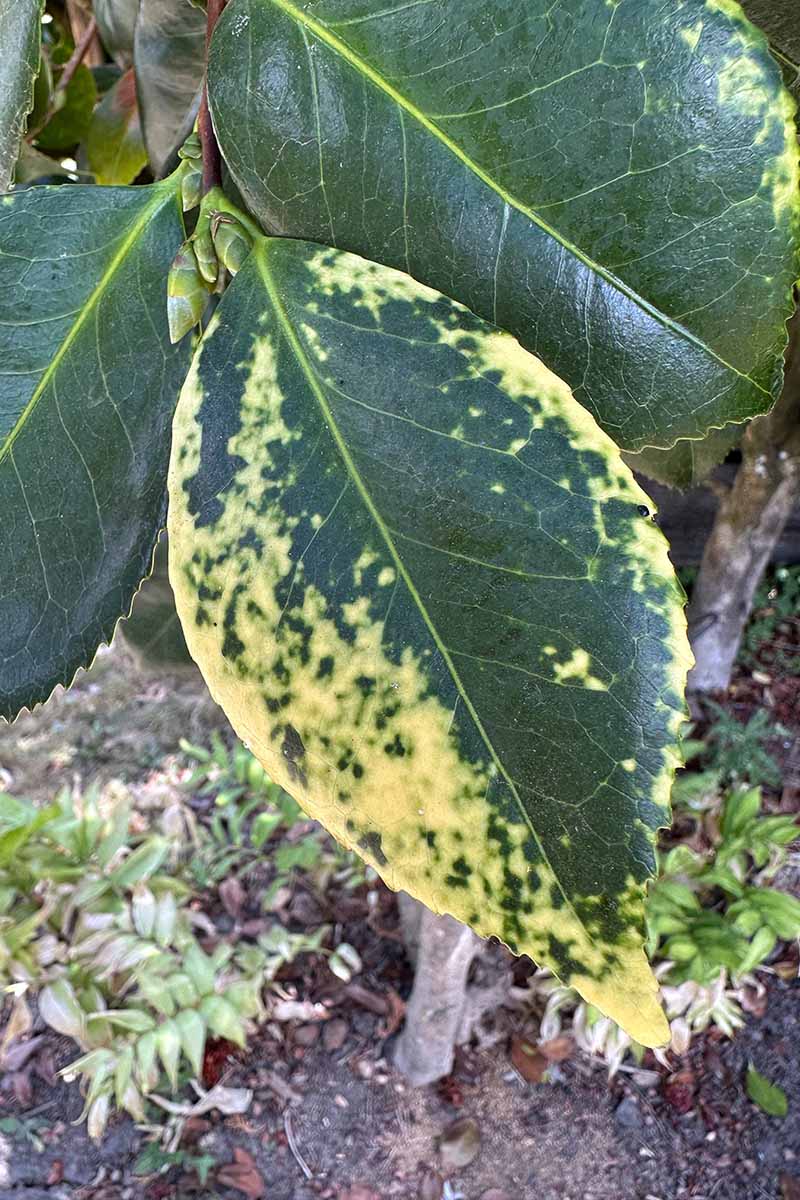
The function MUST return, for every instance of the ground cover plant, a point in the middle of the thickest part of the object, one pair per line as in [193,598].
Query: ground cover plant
[407,553]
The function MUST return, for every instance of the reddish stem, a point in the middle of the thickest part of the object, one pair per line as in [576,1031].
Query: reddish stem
[212,159]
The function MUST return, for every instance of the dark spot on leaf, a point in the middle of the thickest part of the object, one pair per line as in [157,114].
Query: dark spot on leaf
[325,667]
[371,844]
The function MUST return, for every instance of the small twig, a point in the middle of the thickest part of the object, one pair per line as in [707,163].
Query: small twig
[77,57]
[290,1138]
[280,1087]
[212,159]
[66,76]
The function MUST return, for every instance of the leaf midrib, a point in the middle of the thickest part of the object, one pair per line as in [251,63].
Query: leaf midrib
[260,253]
[162,196]
[334,43]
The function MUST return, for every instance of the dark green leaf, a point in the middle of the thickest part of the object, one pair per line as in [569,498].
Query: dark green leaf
[169,52]
[115,146]
[32,165]
[70,122]
[20,42]
[615,184]
[424,588]
[116,20]
[88,381]
[768,1096]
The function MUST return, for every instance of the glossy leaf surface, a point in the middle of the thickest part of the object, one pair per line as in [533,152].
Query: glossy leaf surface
[169,50]
[615,183]
[429,596]
[88,382]
[20,39]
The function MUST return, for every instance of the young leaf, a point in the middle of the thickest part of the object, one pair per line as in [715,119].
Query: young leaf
[59,1008]
[596,179]
[192,1030]
[428,594]
[21,23]
[168,54]
[768,1096]
[88,381]
[115,146]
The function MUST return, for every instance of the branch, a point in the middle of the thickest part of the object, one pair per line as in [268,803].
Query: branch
[66,76]
[77,56]
[212,159]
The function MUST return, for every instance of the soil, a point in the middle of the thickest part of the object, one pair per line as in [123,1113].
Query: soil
[330,1120]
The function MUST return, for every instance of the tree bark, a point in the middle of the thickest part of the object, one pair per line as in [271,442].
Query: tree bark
[436,1008]
[749,523]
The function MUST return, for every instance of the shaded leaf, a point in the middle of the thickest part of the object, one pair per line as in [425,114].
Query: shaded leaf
[59,1008]
[409,565]
[168,54]
[768,1096]
[116,20]
[21,26]
[688,463]
[88,381]
[115,146]
[192,1030]
[598,182]
[70,121]
[32,165]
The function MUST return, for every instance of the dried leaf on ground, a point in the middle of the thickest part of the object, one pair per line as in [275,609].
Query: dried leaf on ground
[790,1187]
[679,1090]
[334,1035]
[528,1059]
[233,896]
[431,1186]
[460,1144]
[242,1175]
[558,1049]
[298,1010]
[395,1015]
[227,1100]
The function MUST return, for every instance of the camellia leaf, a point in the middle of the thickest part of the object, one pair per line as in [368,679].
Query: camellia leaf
[168,54]
[115,145]
[88,380]
[431,599]
[614,183]
[687,463]
[116,20]
[70,123]
[21,26]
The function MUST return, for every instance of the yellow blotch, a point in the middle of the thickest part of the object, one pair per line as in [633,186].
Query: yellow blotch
[578,667]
